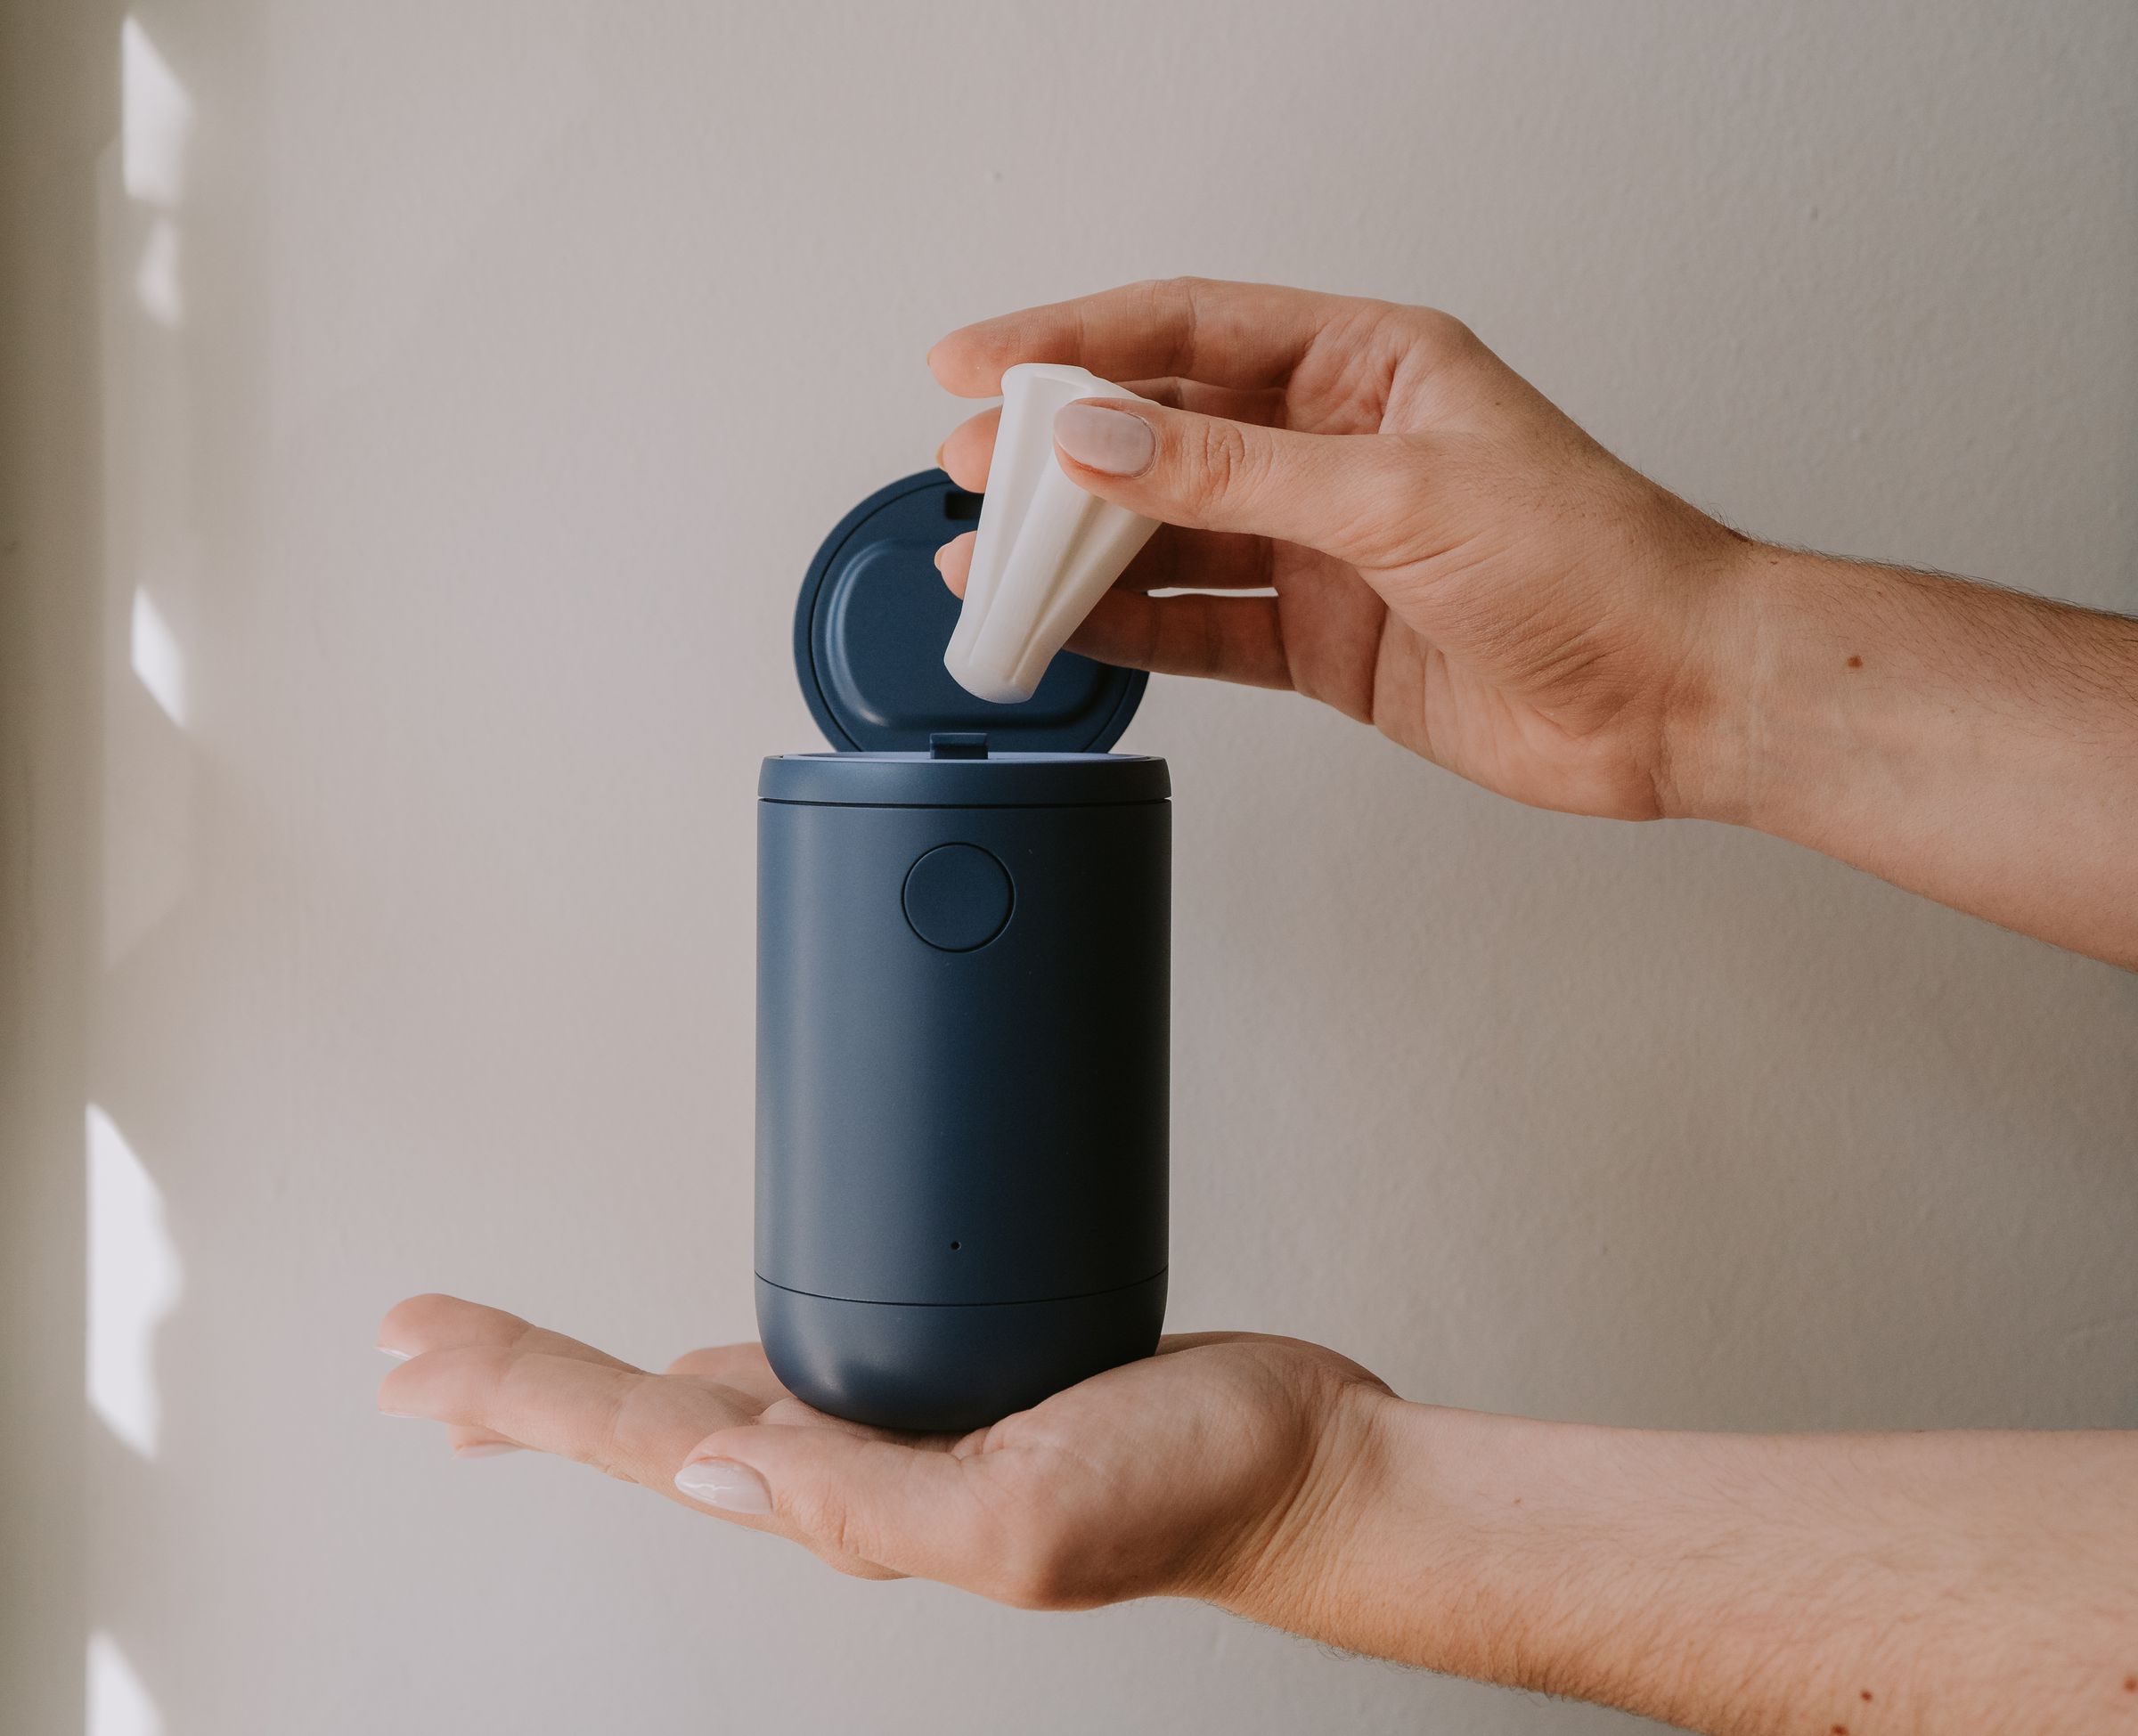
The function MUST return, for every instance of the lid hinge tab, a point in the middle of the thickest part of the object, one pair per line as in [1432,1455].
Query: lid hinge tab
[958,745]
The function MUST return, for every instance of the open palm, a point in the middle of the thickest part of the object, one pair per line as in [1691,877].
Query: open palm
[1172,1474]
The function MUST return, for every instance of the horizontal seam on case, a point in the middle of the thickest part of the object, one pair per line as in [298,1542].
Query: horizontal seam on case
[1020,1303]
[965,807]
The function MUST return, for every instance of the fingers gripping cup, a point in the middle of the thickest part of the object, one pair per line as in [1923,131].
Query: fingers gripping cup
[1046,551]
[962,1009]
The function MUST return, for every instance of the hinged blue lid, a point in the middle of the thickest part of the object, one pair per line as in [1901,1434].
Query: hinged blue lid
[873,618]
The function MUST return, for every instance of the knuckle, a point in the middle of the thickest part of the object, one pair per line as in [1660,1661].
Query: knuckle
[1383,521]
[822,1516]
[1173,305]
[600,1442]
[1441,335]
[1173,291]
[708,1363]
[1223,466]
[465,1383]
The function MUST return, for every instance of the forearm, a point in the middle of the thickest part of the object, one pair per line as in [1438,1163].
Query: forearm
[1969,744]
[1954,1583]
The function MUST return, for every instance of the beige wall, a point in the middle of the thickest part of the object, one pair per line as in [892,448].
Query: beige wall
[429,402]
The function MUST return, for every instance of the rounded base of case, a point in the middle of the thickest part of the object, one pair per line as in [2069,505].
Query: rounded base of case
[946,1369]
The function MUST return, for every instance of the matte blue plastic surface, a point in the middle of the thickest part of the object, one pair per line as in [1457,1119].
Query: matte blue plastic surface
[963,989]
[946,1370]
[985,1125]
[1000,780]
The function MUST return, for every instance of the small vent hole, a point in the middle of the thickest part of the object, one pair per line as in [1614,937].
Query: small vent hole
[961,508]
[955,1246]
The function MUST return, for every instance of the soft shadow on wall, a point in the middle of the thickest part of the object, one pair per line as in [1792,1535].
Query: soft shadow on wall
[133,1270]
[106,517]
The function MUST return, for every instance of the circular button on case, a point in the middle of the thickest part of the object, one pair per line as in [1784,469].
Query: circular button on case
[957,897]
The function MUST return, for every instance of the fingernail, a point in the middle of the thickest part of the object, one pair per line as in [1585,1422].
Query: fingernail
[732,1488]
[1112,441]
[939,558]
[938,455]
[484,1449]
[398,1356]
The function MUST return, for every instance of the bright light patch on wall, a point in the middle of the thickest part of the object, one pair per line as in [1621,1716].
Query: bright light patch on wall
[119,1705]
[155,280]
[134,1284]
[155,116]
[156,657]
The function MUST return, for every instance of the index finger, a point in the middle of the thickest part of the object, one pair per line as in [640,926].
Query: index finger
[1249,335]
[435,1321]
[618,1419]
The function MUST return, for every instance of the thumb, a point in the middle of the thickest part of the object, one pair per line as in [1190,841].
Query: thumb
[914,1510]
[1335,493]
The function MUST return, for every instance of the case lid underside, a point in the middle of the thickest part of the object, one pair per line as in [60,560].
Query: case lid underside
[871,624]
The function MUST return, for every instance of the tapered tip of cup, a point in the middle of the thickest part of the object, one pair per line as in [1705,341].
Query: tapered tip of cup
[989,684]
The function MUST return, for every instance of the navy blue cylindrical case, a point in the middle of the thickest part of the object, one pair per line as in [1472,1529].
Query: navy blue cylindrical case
[961,1079]
[963,997]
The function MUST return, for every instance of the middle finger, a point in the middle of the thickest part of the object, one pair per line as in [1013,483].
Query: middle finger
[1175,558]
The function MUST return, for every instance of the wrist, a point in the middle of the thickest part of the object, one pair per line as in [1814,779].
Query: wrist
[1293,1568]
[1456,1502]
[1711,725]
[1499,1548]
[1538,1555]
[1969,743]
[1383,1546]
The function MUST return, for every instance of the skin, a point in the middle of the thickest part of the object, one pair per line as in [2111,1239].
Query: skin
[1365,505]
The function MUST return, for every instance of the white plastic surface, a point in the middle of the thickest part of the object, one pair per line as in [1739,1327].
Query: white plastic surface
[1046,551]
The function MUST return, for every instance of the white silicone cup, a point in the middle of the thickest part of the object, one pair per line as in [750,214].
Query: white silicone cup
[1047,551]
